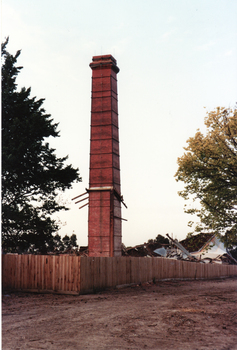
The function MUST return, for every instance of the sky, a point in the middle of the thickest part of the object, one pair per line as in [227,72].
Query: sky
[177,60]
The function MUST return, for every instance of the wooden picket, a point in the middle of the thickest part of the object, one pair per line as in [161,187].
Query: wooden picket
[76,275]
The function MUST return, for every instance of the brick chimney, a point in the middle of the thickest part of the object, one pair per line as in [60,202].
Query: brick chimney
[104,223]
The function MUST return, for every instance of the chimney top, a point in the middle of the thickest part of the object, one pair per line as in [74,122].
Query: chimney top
[104,60]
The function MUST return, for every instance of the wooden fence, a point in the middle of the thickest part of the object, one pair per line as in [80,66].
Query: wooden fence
[41,273]
[78,275]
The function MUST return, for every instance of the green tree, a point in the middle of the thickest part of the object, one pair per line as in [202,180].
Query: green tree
[70,242]
[32,175]
[161,239]
[73,241]
[56,244]
[208,169]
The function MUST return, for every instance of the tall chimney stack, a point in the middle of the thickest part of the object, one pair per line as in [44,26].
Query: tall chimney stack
[104,223]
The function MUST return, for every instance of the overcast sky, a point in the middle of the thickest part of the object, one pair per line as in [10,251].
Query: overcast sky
[175,58]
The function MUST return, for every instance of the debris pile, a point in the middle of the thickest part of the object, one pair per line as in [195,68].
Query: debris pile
[142,250]
[204,248]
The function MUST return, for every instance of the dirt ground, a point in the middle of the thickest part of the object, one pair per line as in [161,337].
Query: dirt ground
[166,315]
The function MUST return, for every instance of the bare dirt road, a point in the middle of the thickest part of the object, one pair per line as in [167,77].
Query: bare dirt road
[166,315]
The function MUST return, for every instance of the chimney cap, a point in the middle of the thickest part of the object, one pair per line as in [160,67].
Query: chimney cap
[104,60]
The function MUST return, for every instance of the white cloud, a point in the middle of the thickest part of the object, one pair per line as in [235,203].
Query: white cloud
[14,27]
[229,53]
[171,19]
[205,47]
[167,35]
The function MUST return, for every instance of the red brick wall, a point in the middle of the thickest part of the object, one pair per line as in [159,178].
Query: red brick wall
[104,226]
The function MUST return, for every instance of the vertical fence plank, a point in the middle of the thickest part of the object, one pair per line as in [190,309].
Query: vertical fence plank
[117,270]
[22,272]
[65,273]
[71,274]
[36,273]
[5,281]
[6,271]
[38,277]
[88,273]
[46,273]
[198,271]
[128,270]
[62,271]
[184,269]
[142,269]
[42,272]
[149,269]
[82,274]
[135,277]
[55,280]
[103,272]
[109,272]
[53,272]
[160,268]
[96,273]
[7,267]
[78,287]
[30,273]
[114,271]
[124,281]
[13,271]
[155,268]
[121,271]
[85,270]
[92,273]
[19,268]
[67,287]
[51,278]
[57,274]
[68,270]
[33,271]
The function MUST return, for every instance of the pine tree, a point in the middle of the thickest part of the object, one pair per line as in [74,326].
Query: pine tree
[32,175]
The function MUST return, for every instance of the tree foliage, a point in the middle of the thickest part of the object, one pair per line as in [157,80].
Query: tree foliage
[63,245]
[208,169]
[161,239]
[32,175]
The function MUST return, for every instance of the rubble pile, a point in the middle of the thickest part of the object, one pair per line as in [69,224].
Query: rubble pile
[203,247]
[142,250]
